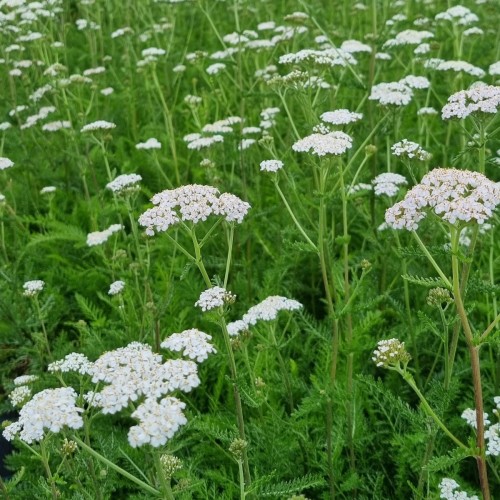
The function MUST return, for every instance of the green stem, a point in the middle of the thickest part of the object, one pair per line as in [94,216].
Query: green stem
[111,465]
[432,261]
[411,382]
[165,484]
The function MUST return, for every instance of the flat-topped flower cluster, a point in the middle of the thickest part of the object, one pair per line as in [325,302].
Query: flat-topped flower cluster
[192,203]
[456,196]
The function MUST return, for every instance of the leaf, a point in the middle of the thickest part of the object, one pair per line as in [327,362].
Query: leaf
[428,282]
[446,461]
[296,485]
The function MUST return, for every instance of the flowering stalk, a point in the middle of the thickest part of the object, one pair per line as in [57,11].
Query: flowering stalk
[164,482]
[237,398]
[146,487]
[475,364]
[44,457]
[42,324]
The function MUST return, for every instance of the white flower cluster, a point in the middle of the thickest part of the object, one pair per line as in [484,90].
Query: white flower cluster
[192,203]
[158,421]
[72,362]
[454,195]
[416,82]
[50,409]
[20,395]
[391,93]
[391,352]
[332,143]
[5,163]
[214,297]
[493,70]
[481,98]
[341,117]
[135,371]
[470,416]
[271,165]
[456,66]
[57,125]
[151,143]
[98,125]
[48,190]
[408,149]
[459,15]
[408,37]
[492,437]
[33,287]
[193,343]
[116,287]
[388,184]
[25,379]
[449,490]
[100,237]
[327,57]
[267,310]
[124,183]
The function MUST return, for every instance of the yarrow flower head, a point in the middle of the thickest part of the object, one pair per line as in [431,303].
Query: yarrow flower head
[271,165]
[410,150]
[456,196]
[20,395]
[332,143]
[100,237]
[192,203]
[391,94]
[116,287]
[72,362]
[214,297]
[124,183]
[193,343]
[98,125]
[32,288]
[449,489]
[151,143]
[5,163]
[267,310]
[470,416]
[51,409]
[25,379]
[341,117]
[479,99]
[388,184]
[391,353]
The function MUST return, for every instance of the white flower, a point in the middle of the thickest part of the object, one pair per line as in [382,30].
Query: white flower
[388,184]
[492,436]
[107,91]
[193,343]
[416,82]
[116,287]
[458,14]
[408,149]
[32,288]
[72,362]
[449,490]
[392,93]
[481,98]
[271,165]
[5,163]
[151,143]
[100,237]
[454,195]
[215,68]
[334,143]
[214,297]
[55,126]
[98,125]
[124,183]
[470,416]
[133,372]
[192,203]
[408,37]
[20,395]
[158,421]
[494,69]
[427,111]
[48,190]
[25,379]
[50,409]
[341,117]
[457,66]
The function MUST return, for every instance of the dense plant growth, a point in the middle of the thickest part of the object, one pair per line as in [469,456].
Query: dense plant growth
[248,249]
